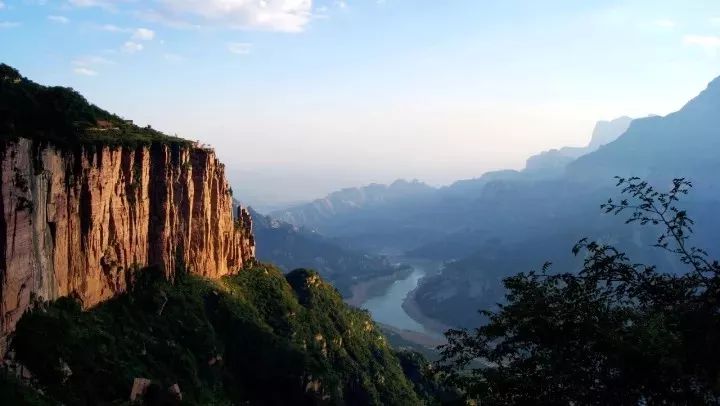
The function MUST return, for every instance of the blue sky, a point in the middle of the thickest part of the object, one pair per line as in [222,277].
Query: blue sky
[301,97]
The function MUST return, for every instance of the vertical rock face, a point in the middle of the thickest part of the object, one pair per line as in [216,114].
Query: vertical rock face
[82,223]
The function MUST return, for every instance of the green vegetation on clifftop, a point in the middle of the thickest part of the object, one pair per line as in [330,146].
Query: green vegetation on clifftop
[63,117]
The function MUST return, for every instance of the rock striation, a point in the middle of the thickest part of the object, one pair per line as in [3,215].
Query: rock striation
[82,222]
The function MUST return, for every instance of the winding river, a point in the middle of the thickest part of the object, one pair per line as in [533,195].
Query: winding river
[388,307]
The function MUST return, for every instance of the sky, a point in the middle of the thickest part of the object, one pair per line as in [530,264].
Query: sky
[302,97]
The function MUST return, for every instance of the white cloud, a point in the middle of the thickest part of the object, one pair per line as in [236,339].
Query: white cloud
[143,34]
[113,28]
[92,60]
[9,24]
[84,71]
[138,34]
[665,23]
[59,19]
[321,13]
[173,57]
[131,47]
[709,43]
[91,3]
[272,15]
[86,65]
[239,48]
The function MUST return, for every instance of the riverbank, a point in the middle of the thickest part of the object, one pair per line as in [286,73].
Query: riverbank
[412,308]
[364,291]
[390,299]
[425,340]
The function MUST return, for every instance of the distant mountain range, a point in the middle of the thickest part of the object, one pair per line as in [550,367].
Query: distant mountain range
[510,221]
[410,215]
[352,200]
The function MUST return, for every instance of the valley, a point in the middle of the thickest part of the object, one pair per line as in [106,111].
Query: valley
[501,223]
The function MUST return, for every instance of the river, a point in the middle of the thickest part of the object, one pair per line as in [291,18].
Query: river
[388,307]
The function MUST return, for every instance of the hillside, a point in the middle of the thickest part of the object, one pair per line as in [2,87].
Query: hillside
[290,247]
[258,337]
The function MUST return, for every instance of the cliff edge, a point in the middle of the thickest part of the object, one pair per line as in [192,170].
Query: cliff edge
[81,215]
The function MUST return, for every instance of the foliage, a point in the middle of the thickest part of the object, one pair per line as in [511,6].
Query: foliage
[257,337]
[13,392]
[616,332]
[63,117]
[428,382]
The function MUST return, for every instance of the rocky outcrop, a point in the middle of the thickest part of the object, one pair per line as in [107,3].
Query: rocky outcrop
[82,223]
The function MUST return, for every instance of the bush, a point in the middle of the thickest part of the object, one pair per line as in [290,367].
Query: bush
[616,332]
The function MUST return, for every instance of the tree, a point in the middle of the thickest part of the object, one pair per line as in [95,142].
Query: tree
[615,332]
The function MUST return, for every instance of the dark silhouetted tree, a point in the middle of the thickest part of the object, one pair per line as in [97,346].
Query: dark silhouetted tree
[615,332]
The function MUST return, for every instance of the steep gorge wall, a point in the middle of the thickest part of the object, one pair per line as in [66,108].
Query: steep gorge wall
[80,223]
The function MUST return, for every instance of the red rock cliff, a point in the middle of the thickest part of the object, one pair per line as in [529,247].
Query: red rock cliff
[81,223]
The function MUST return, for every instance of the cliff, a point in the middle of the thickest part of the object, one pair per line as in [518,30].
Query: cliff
[80,222]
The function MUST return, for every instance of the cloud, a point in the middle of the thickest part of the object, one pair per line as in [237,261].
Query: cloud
[9,24]
[92,60]
[84,3]
[92,3]
[270,15]
[143,34]
[84,71]
[131,47]
[113,28]
[665,23]
[709,43]
[239,48]
[267,15]
[138,34]
[59,19]
[173,57]
[86,66]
